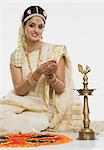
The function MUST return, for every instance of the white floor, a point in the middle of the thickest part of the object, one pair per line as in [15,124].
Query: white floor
[97,144]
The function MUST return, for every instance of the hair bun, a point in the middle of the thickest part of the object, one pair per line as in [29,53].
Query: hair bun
[34,11]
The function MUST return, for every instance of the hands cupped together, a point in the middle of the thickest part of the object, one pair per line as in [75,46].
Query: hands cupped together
[48,68]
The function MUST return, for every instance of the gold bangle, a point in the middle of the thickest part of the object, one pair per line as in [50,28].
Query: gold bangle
[53,84]
[31,80]
[50,76]
[52,80]
[53,77]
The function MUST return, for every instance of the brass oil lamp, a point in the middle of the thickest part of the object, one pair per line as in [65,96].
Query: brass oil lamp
[85,133]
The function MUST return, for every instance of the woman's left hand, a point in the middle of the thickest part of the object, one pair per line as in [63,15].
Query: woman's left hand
[51,67]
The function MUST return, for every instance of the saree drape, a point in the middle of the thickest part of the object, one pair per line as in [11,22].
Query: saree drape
[36,111]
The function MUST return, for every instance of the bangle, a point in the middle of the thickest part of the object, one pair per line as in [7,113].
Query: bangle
[50,76]
[31,80]
[36,75]
[52,79]
[53,84]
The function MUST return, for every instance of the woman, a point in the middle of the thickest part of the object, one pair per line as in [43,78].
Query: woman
[43,96]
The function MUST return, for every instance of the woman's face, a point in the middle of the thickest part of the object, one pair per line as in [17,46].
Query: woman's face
[34,28]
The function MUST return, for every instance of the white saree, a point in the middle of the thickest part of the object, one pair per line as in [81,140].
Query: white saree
[36,112]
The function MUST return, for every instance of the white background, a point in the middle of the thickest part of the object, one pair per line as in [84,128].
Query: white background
[77,24]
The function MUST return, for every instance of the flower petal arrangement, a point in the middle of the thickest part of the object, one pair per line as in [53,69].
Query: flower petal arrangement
[32,139]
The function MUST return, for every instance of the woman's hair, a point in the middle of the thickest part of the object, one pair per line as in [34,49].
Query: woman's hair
[34,11]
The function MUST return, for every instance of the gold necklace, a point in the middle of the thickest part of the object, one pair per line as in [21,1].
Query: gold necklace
[28,60]
[32,48]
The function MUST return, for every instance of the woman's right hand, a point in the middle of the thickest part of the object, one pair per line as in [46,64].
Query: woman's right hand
[47,68]
[39,71]
[50,66]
